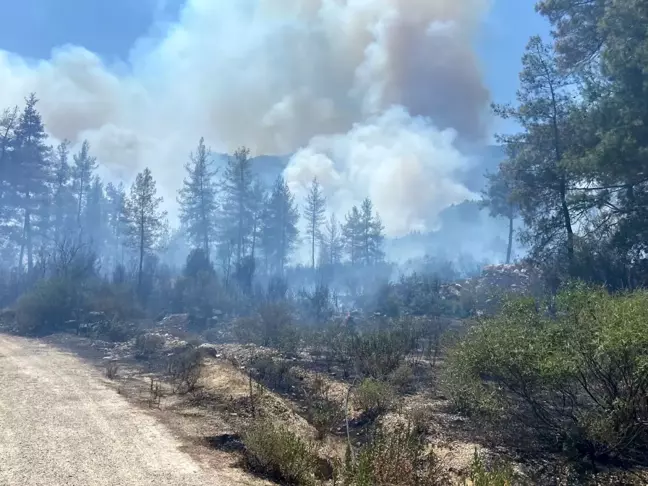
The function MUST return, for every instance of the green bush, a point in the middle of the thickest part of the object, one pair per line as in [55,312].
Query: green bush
[48,306]
[276,374]
[377,354]
[499,475]
[322,412]
[374,397]
[578,379]
[395,458]
[272,326]
[278,453]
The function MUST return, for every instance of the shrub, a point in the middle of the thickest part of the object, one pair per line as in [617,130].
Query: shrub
[112,370]
[115,331]
[374,397]
[48,306]
[395,458]
[275,374]
[115,301]
[185,368]
[578,380]
[148,345]
[378,353]
[402,378]
[322,413]
[278,453]
[500,475]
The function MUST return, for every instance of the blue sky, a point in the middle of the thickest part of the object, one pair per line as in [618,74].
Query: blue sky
[110,27]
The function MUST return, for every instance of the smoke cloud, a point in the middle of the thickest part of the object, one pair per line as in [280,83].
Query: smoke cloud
[371,96]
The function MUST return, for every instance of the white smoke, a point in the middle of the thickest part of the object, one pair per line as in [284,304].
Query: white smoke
[369,95]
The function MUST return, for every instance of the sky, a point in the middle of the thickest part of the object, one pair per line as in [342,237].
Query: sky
[375,98]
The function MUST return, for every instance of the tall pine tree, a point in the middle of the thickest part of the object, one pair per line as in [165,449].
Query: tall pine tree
[543,175]
[314,213]
[116,221]
[332,244]
[198,200]
[237,203]
[82,172]
[371,234]
[280,233]
[146,223]
[63,204]
[29,177]
[498,198]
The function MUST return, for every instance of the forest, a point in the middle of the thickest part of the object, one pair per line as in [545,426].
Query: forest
[551,373]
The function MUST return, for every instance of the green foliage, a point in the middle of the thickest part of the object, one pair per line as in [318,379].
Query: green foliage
[276,374]
[48,306]
[275,451]
[500,475]
[279,235]
[579,379]
[273,326]
[377,354]
[395,458]
[322,412]
[197,199]
[374,397]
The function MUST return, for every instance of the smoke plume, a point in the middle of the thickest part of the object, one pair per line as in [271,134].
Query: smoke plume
[371,96]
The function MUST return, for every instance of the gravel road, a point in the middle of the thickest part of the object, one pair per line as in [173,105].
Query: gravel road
[60,424]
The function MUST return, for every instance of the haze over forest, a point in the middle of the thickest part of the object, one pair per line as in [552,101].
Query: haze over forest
[381,99]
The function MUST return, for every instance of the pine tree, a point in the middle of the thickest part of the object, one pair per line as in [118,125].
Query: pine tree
[115,219]
[30,176]
[314,212]
[237,203]
[498,198]
[62,198]
[146,223]
[332,244]
[280,233]
[82,172]
[542,173]
[259,200]
[371,234]
[8,123]
[197,199]
[351,232]
[94,216]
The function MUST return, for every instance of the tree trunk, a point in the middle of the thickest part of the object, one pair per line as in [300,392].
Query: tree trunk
[509,249]
[22,246]
[313,247]
[141,259]
[568,224]
[30,243]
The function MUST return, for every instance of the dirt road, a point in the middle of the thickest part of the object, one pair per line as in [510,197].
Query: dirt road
[60,424]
